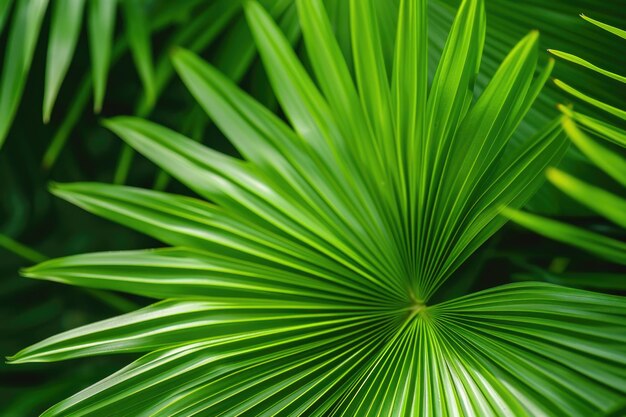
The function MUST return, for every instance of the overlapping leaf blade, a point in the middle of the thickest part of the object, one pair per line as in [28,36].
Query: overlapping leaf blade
[487,354]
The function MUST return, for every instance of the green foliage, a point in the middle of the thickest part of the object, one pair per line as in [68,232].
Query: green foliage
[304,284]
[101,27]
[336,265]
[605,203]
[19,53]
[72,147]
[142,20]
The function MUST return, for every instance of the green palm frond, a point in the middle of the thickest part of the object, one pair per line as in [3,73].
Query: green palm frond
[144,18]
[19,52]
[560,29]
[578,126]
[490,353]
[64,30]
[303,285]
[31,216]
[188,23]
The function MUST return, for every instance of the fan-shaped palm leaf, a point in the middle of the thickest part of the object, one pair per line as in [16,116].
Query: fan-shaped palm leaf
[303,288]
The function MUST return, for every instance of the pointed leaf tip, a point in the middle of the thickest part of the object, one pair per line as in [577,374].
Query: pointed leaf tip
[532,37]
[26,272]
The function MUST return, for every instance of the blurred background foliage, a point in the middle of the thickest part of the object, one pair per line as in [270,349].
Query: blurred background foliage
[72,62]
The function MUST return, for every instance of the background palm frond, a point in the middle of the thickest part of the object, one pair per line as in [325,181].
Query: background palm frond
[606,155]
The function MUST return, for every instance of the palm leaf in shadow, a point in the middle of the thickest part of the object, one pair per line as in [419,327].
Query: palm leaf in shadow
[605,155]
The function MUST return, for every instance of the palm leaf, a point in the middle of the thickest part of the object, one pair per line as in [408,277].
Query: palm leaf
[599,281]
[18,56]
[138,30]
[101,28]
[304,287]
[486,354]
[142,20]
[25,202]
[606,247]
[560,29]
[64,31]
[607,204]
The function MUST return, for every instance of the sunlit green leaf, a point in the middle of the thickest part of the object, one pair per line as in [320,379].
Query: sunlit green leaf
[587,64]
[603,202]
[616,31]
[611,162]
